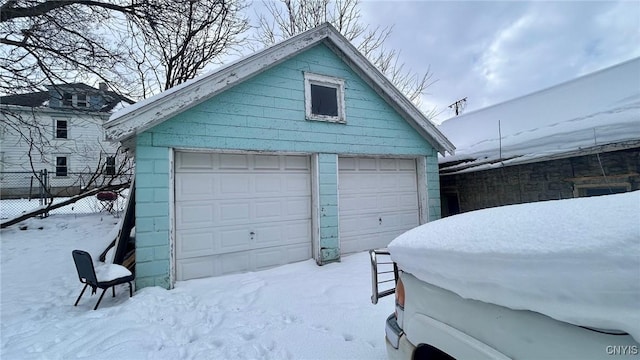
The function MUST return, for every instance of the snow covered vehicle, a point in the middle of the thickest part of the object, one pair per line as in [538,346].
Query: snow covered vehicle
[547,280]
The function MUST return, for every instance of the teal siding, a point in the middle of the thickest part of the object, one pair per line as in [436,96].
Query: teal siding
[328,179]
[266,113]
[152,214]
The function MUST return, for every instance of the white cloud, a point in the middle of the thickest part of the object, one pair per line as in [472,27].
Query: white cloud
[494,51]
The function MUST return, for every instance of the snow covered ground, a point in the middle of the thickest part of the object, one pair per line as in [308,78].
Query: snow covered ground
[576,260]
[297,311]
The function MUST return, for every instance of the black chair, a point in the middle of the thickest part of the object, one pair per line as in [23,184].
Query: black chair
[87,275]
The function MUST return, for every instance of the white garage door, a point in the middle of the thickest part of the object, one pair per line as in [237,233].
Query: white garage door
[240,212]
[378,200]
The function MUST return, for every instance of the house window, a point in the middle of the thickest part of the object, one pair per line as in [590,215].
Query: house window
[67,99]
[61,129]
[597,190]
[61,166]
[110,166]
[81,100]
[324,98]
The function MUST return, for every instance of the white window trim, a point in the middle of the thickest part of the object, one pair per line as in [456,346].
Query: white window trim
[328,81]
[55,128]
[55,165]
[74,101]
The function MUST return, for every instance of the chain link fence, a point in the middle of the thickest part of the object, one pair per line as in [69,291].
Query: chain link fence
[23,192]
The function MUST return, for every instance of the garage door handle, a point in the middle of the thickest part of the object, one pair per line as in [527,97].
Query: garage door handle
[380,221]
[252,233]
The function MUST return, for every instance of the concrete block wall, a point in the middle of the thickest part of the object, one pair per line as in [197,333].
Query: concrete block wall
[548,180]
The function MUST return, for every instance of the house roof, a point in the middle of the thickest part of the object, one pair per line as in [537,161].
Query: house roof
[594,113]
[150,112]
[34,99]
[41,98]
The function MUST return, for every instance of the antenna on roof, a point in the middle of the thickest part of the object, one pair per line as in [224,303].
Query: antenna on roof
[500,142]
[458,106]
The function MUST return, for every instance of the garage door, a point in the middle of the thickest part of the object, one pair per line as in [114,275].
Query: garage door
[240,212]
[378,200]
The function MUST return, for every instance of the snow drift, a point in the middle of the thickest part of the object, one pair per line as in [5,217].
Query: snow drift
[575,260]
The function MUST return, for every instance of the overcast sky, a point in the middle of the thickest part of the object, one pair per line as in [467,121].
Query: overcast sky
[490,52]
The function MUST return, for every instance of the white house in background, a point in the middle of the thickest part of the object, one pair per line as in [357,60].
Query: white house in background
[59,130]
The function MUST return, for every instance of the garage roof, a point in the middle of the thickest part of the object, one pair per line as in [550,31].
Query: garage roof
[133,120]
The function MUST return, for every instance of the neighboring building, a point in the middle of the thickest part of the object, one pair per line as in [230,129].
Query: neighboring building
[59,130]
[579,138]
[303,150]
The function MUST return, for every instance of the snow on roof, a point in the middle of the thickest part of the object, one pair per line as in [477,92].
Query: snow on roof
[575,260]
[596,109]
[150,112]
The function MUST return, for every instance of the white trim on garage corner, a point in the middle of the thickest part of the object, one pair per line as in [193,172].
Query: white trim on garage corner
[423,190]
[172,219]
[315,209]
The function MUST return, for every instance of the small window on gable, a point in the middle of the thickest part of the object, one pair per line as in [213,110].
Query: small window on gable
[62,168]
[110,166]
[61,129]
[324,98]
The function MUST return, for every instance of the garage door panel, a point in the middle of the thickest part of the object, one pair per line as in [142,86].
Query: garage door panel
[407,164]
[367,164]
[234,212]
[269,184]
[194,215]
[378,200]
[347,164]
[298,184]
[388,164]
[195,268]
[297,163]
[232,162]
[193,161]
[354,203]
[298,208]
[267,195]
[258,259]
[269,210]
[265,258]
[354,225]
[196,244]
[196,187]
[266,162]
[231,185]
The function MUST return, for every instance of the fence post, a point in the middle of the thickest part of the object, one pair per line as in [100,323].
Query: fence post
[44,189]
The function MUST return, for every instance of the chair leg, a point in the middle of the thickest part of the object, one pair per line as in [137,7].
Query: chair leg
[81,293]
[101,295]
[113,288]
[130,290]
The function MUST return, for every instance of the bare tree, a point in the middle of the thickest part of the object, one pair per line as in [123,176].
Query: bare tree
[53,42]
[136,46]
[285,18]
[169,53]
